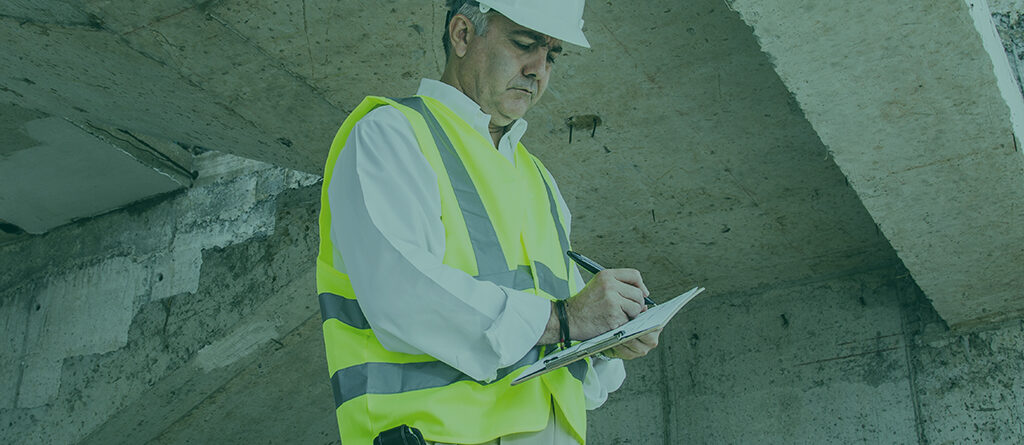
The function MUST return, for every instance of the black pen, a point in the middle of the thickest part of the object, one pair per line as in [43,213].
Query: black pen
[594,268]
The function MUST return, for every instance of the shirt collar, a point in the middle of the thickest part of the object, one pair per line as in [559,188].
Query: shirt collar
[469,111]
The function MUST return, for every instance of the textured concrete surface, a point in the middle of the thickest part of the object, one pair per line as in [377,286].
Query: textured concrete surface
[700,147]
[106,315]
[918,124]
[192,318]
[861,358]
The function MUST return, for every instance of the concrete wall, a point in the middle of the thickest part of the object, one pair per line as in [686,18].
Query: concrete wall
[192,319]
[861,358]
[118,325]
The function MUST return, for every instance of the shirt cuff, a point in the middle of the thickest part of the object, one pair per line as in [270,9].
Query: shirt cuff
[519,326]
[603,377]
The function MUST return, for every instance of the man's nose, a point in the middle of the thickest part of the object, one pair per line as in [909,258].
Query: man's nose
[536,65]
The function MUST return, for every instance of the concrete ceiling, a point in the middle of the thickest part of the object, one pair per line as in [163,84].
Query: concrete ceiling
[925,125]
[704,170]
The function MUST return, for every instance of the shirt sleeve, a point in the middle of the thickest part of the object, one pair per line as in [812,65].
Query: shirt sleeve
[386,224]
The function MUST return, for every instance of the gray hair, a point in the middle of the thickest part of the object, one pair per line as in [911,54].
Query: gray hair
[470,9]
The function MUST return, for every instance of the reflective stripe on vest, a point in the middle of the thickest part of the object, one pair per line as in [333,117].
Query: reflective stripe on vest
[391,378]
[486,247]
[499,231]
[490,258]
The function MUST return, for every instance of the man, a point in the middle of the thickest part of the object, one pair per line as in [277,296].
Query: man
[442,269]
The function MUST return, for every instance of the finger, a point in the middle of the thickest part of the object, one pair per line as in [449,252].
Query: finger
[631,277]
[631,351]
[651,338]
[631,308]
[630,292]
[650,341]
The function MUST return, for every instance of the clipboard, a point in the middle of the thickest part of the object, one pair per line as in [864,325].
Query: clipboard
[650,320]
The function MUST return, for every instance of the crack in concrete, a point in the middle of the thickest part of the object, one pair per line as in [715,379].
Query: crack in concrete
[667,397]
[160,19]
[277,62]
[145,147]
[309,46]
[911,373]
[843,357]
[94,23]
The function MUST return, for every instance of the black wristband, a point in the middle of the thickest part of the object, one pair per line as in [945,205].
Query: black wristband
[563,322]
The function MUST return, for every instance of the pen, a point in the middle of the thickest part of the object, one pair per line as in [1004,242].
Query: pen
[594,268]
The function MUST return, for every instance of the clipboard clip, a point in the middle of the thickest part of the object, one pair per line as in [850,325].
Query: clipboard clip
[558,362]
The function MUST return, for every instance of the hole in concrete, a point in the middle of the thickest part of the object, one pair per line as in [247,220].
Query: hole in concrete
[159,277]
[584,122]
[12,229]
[39,306]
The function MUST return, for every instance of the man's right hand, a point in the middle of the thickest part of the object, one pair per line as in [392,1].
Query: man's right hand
[609,300]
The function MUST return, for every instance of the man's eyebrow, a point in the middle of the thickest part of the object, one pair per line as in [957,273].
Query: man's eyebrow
[537,37]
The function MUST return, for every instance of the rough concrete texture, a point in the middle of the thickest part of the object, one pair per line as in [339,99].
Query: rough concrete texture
[971,386]
[103,315]
[704,170]
[139,71]
[861,358]
[703,164]
[700,148]
[931,152]
[282,397]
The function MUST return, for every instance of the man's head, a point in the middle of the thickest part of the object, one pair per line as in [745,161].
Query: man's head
[502,64]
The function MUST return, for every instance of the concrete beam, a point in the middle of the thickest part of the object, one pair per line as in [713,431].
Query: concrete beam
[151,69]
[914,107]
[68,173]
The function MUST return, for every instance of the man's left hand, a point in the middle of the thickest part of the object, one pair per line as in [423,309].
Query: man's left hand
[635,348]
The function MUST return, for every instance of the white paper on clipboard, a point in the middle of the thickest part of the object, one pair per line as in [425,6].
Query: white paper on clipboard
[651,319]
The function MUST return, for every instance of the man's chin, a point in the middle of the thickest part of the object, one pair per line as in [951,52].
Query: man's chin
[515,112]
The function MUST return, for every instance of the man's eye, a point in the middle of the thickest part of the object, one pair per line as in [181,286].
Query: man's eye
[521,45]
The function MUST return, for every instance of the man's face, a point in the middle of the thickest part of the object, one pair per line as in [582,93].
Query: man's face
[507,69]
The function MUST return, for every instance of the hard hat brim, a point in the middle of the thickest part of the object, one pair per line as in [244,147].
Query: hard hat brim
[569,34]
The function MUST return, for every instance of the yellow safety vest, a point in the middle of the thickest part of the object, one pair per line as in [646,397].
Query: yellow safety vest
[502,224]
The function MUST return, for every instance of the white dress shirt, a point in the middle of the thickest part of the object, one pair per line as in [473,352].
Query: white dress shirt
[386,222]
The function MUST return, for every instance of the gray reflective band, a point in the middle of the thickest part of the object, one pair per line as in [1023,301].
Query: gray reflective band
[519,279]
[486,247]
[550,283]
[490,259]
[562,239]
[342,309]
[393,378]
[347,310]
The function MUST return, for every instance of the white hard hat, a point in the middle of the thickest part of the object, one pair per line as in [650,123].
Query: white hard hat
[561,19]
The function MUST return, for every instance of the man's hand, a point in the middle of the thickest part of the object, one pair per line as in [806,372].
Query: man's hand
[609,300]
[635,348]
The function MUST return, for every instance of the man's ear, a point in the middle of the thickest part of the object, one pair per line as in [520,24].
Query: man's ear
[461,31]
